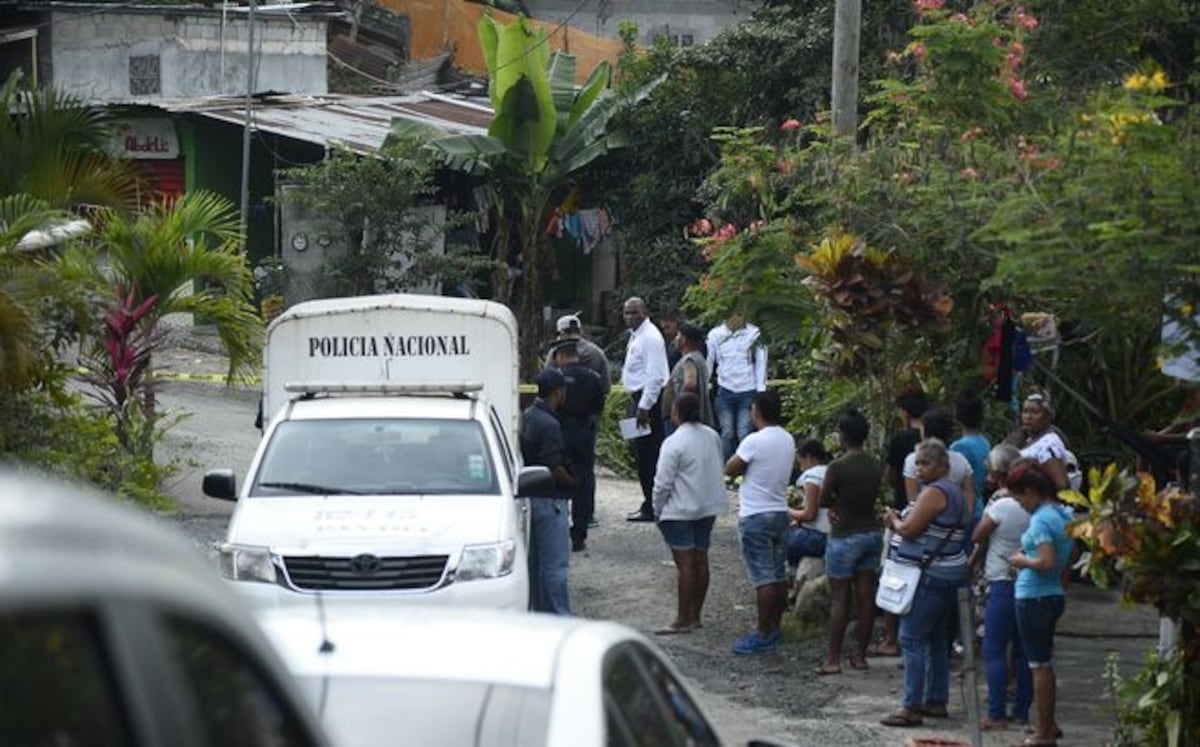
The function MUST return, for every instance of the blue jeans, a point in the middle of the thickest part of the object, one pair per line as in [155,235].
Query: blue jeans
[846,556]
[733,415]
[924,645]
[804,542]
[764,547]
[1000,630]
[549,550]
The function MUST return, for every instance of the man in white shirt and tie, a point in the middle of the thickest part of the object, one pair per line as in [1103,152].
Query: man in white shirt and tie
[644,375]
[736,351]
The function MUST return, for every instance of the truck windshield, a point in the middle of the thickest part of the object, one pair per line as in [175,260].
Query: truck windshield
[376,457]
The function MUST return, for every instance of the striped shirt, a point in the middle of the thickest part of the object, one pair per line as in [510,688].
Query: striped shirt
[944,535]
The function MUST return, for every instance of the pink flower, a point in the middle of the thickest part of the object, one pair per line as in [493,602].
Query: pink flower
[702,227]
[1013,60]
[924,6]
[1052,163]
[969,174]
[918,50]
[725,233]
[960,18]
[1024,20]
[1016,87]
[790,124]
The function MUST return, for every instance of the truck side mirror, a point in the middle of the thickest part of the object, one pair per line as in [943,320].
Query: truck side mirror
[220,483]
[534,482]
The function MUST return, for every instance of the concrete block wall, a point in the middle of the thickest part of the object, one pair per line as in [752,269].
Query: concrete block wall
[90,55]
[701,19]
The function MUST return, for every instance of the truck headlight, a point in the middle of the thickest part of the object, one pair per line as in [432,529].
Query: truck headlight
[487,561]
[243,563]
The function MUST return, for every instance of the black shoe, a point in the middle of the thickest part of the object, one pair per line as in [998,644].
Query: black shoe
[592,523]
[639,515]
[578,546]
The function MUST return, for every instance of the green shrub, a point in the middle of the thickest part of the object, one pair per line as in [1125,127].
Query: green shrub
[69,439]
[612,451]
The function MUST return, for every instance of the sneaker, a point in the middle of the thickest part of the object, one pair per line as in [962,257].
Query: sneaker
[753,643]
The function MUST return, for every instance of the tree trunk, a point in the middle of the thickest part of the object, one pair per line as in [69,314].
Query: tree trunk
[530,321]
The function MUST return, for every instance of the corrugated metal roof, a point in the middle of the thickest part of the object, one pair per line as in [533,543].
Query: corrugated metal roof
[360,123]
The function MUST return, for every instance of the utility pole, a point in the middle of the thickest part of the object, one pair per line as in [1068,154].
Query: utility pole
[249,121]
[847,25]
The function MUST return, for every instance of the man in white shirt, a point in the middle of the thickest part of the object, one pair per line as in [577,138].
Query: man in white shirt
[765,459]
[734,348]
[644,375]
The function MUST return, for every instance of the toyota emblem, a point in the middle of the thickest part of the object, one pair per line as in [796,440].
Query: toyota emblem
[366,564]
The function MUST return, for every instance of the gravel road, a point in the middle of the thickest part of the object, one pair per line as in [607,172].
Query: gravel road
[626,575]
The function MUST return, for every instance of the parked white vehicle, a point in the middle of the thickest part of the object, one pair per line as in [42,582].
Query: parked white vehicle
[390,465]
[483,678]
[114,631]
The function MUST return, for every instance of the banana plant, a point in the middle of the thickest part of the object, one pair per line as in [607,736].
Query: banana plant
[543,132]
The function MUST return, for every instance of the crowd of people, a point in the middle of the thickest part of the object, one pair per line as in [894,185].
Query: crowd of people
[959,510]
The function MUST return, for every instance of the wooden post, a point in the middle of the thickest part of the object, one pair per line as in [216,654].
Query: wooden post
[847,24]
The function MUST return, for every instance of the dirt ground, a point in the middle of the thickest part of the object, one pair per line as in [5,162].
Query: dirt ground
[626,574]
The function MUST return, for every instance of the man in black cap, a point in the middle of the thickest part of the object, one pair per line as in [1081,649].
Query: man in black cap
[542,444]
[580,414]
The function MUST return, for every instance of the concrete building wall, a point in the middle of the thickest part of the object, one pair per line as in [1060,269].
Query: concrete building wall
[696,21]
[91,53]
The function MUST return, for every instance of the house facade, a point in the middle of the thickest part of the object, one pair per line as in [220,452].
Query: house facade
[682,22]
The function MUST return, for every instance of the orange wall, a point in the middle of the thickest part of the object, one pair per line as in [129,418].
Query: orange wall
[440,24]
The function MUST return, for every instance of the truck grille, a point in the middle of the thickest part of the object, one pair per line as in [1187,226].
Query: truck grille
[365,572]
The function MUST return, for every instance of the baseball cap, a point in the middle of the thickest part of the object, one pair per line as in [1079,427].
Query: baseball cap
[549,380]
[565,323]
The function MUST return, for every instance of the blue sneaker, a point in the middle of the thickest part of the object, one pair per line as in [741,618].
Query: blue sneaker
[753,643]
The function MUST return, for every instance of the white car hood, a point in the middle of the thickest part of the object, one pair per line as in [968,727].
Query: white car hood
[408,524]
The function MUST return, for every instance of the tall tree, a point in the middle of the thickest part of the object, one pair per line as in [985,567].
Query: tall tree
[544,132]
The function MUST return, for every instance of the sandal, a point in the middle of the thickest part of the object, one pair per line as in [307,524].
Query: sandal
[1031,742]
[859,662]
[993,724]
[826,669]
[934,710]
[1031,729]
[673,630]
[880,651]
[902,718]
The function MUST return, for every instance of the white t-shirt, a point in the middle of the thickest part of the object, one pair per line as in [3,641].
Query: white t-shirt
[960,469]
[1011,522]
[815,475]
[769,455]
[1048,446]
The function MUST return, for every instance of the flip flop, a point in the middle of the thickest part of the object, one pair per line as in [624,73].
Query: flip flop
[1031,742]
[935,711]
[825,669]
[859,663]
[1058,733]
[672,630]
[902,718]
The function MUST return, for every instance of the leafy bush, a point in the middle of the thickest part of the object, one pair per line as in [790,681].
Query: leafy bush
[80,443]
[612,451]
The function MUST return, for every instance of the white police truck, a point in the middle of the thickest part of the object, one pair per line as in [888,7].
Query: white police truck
[389,467]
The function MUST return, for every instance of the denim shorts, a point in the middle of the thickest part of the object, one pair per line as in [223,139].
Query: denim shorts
[695,534]
[1037,620]
[764,547]
[845,556]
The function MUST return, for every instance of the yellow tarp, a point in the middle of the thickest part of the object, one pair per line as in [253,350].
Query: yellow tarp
[439,25]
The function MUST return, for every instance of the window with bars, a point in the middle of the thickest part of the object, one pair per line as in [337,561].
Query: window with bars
[145,77]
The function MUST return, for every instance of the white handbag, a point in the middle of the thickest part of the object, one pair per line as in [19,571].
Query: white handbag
[897,586]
